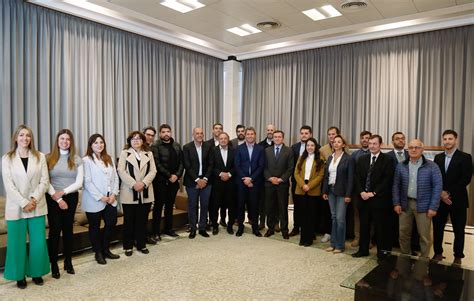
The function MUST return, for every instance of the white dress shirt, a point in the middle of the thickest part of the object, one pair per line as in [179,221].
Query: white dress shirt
[308,166]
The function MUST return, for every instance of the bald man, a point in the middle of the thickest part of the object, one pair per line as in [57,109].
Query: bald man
[198,162]
[417,187]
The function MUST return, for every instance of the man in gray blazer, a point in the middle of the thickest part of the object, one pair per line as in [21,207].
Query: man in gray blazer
[240,133]
[278,169]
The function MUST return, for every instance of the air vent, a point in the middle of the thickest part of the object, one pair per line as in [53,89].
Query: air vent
[353,5]
[267,25]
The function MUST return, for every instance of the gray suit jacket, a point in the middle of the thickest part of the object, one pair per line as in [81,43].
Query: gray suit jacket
[281,168]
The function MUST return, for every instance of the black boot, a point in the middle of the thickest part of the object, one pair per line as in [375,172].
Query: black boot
[68,267]
[55,270]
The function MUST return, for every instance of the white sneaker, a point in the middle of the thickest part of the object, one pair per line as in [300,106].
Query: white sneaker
[326,238]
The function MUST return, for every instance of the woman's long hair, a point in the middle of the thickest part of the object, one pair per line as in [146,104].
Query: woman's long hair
[53,157]
[14,143]
[141,135]
[104,155]
[317,156]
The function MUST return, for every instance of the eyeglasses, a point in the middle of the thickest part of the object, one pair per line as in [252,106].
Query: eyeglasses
[136,139]
[414,147]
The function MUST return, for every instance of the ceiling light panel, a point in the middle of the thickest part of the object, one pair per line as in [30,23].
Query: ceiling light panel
[183,6]
[321,13]
[331,11]
[244,30]
[314,14]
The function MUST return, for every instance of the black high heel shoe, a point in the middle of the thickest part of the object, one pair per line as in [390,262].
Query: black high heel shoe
[55,270]
[69,268]
[21,283]
[38,281]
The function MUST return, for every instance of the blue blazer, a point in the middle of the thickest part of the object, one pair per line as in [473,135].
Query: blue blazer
[250,167]
[344,178]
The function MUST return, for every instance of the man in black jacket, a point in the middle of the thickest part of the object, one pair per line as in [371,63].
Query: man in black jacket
[373,182]
[456,170]
[169,164]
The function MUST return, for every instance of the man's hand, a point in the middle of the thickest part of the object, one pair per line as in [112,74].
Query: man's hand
[446,198]
[201,183]
[325,197]
[305,188]
[173,178]
[397,209]
[431,213]
[247,181]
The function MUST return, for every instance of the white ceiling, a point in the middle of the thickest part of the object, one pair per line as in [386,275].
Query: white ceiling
[204,29]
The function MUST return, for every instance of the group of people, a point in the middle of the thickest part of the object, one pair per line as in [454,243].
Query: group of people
[223,179]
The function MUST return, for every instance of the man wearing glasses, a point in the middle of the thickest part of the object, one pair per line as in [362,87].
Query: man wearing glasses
[416,192]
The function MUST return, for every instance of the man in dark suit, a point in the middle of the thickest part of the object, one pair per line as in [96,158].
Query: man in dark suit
[456,170]
[298,148]
[277,172]
[223,186]
[198,162]
[240,139]
[217,129]
[374,176]
[262,212]
[249,164]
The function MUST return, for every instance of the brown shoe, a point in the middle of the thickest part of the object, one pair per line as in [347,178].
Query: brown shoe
[457,261]
[437,257]
[261,227]
[294,232]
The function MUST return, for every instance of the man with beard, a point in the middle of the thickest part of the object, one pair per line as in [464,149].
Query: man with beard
[262,212]
[169,164]
[326,150]
[240,133]
[298,148]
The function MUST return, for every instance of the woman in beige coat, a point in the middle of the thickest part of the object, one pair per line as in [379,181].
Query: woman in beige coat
[136,169]
[309,173]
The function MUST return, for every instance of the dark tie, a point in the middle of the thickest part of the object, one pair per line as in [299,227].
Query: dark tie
[277,153]
[367,181]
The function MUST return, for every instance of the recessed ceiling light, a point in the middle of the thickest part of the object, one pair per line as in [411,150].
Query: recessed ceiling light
[331,11]
[183,6]
[244,30]
[314,14]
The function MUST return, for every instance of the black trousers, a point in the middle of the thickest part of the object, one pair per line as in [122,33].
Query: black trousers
[276,206]
[322,217]
[165,196]
[100,242]
[60,220]
[223,202]
[296,207]
[308,209]
[458,217]
[262,212]
[247,197]
[382,221]
[135,219]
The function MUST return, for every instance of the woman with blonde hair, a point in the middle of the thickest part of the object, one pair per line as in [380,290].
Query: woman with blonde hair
[66,175]
[136,168]
[25,176]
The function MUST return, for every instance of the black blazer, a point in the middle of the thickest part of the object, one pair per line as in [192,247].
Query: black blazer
[191,163]
[219,165]
[381,179]
[393,156]
[281,168]
[345,176]
[457,177]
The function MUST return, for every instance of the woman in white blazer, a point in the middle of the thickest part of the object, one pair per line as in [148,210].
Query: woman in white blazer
[136,168]
[25,176]
[101,187]
[66,174]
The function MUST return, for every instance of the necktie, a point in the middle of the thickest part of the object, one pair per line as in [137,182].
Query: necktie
[367,181]
[277,153]
[400,156]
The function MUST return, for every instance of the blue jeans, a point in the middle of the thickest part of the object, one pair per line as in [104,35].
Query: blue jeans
[338,215]
[196,195]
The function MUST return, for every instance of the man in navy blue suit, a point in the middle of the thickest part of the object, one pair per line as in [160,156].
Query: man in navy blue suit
[249,165]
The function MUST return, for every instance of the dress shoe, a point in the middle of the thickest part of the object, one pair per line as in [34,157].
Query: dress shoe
[326,238]
[100,258]
[21,283]
[257,233]
[110,255]
[437,257]
[38,281]
[157,237]
[285,235]
[151,240]
[55,270]
[171,233]
[261,226]
[215,231]
[230,230]
[359,254]
[223,223]
[144,251]
[192,234]
[269,233]
[203,233]
[457,261]
[128,252]
[308,244]
[301,243]
[69,268]
[239,232]
[294,232]
[277,228]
